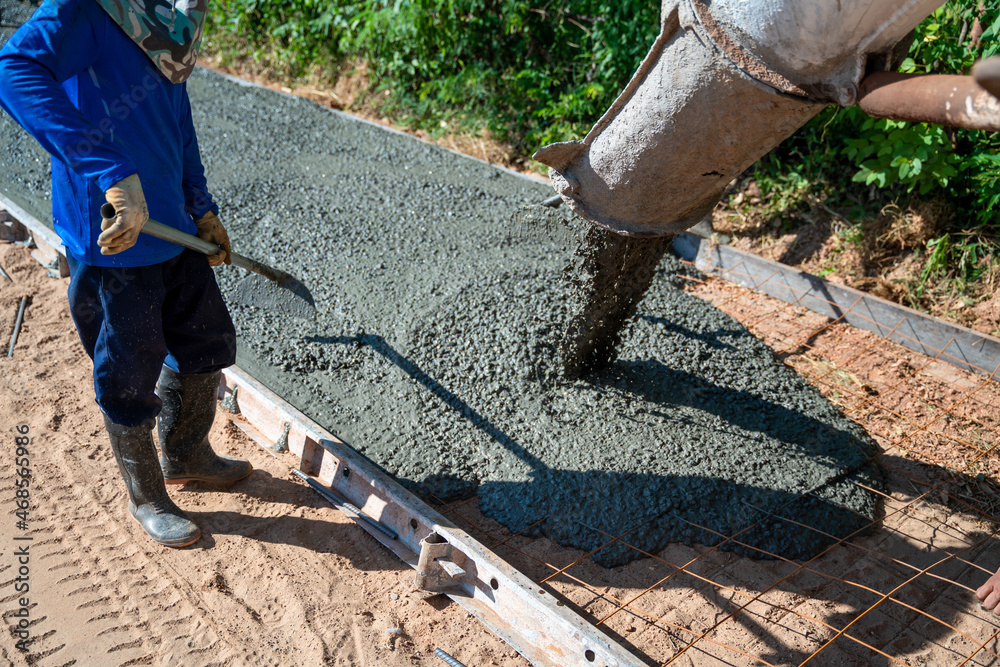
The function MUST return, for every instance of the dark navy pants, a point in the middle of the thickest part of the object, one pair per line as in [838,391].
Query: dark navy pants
[133,320]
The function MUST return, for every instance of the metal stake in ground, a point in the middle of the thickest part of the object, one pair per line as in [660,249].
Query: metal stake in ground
[614,273]
[450,661]
[17,326]
[342,504]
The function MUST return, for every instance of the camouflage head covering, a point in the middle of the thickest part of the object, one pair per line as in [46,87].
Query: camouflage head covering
[169,31]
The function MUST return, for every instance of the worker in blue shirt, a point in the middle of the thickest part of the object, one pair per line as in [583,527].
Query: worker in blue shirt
[100,85]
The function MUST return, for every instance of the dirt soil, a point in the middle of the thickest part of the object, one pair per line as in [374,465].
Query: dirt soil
[279,578]
[884,255]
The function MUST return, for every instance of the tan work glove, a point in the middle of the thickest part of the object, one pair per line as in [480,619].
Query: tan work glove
[211,230]
[120,232]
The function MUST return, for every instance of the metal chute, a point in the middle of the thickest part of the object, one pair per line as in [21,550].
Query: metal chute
[724,83]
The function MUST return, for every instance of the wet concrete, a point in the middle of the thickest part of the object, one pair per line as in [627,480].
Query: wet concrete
[443,299]
[608,283]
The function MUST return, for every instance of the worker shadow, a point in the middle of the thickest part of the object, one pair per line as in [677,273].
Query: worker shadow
[457,486]
[652,381]
[714,338]
[629,497]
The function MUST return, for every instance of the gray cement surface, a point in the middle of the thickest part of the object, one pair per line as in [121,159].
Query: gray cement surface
[443,295]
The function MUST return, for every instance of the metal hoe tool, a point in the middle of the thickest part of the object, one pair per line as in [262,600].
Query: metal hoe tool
[270,288]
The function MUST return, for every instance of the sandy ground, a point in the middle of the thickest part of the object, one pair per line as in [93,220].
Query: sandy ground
[279,578]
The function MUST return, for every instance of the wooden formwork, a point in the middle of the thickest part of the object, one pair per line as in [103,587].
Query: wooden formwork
[23,227]
[446,558]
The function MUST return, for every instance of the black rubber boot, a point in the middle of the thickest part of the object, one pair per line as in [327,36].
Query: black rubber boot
[188,412]
[148,501]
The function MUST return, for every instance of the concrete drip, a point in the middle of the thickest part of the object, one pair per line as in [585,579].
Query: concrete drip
[435,350]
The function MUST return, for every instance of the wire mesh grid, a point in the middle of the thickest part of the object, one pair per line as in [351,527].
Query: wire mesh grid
[899,592]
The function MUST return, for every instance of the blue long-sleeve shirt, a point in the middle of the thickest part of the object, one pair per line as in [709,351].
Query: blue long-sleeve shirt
[83,89]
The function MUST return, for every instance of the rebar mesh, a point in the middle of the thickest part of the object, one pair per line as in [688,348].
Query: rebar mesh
[901,595]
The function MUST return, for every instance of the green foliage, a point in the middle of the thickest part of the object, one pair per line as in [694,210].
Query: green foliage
[985,176]
[530,73]
[889,152]
[927,158]
[958,259]
[938,47]
[904,158]
[297,33]
[853,235]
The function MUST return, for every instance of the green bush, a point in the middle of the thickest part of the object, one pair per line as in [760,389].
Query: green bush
[529,73]
[899,157]
[889,152]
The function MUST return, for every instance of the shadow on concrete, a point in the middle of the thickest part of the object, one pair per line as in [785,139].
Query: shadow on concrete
[579,508]
[449,398]
[898,590]
[656,382]
[586,511]
[712,338]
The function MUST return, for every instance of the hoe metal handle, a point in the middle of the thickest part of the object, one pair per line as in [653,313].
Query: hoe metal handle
[161,231]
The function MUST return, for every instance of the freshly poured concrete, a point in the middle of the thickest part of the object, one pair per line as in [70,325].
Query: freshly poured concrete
[443,295]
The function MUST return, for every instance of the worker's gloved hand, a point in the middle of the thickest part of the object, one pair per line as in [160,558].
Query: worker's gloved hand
[210,229]
[120,232]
